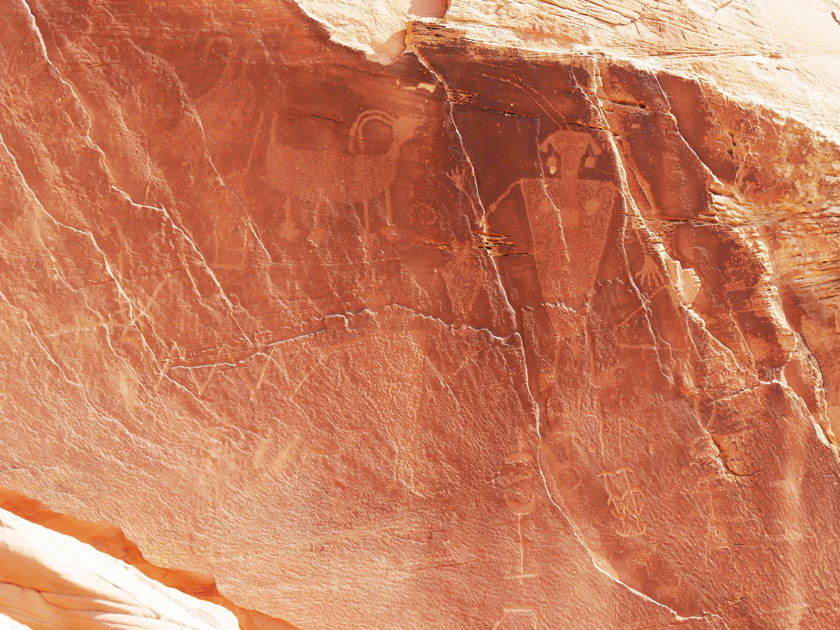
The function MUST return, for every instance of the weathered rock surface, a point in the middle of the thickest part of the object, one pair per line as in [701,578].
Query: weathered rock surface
[49,581]
[489,337]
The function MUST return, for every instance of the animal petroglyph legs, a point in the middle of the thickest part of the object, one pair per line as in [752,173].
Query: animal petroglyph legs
[231,244]
[357,175]
[354,145]
[517,619]
[223,350]
[174,350]
[318,235]
[262,374]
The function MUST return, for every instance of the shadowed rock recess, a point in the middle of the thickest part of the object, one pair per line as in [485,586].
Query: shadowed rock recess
[493,337]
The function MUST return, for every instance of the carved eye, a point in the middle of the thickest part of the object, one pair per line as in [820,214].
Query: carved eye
[552,163]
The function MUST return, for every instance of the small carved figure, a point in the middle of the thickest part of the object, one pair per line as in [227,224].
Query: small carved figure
[626,502]
[520,495]
[573,199]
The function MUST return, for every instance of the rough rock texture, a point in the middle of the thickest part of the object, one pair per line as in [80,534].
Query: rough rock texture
[775,52]
[49,581]
[489,337]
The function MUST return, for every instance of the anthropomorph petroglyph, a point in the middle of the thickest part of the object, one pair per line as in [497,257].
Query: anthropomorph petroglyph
[520,496]
[573,201]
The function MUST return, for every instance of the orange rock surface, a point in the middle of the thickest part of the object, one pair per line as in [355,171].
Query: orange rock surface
[492,337]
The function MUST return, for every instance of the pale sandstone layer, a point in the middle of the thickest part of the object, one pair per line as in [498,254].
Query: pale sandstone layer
[107,539]
[50,581]
[774,52]
[488,337]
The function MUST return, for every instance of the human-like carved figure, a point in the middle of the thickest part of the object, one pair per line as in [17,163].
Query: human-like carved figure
[573,201]
[564,224]
[230,237]
[521,495]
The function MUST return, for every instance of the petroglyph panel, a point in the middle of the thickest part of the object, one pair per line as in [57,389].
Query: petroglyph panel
[487,337]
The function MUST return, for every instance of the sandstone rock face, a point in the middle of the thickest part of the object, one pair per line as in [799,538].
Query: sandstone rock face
[49,581]
[516,332]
